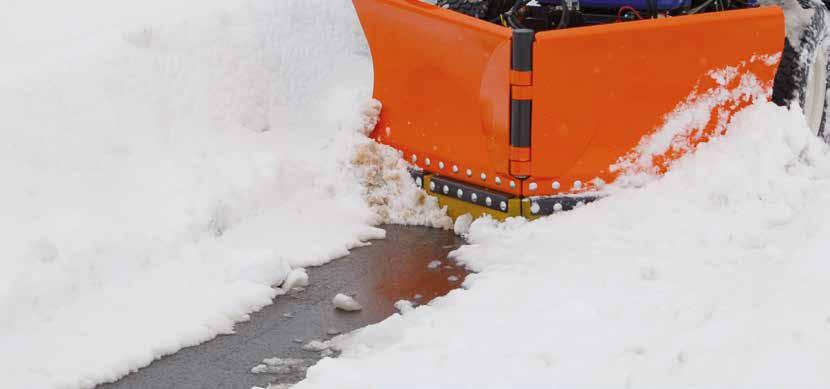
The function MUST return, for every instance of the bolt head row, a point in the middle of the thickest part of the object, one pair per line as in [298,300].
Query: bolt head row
[455,169]
[535,207]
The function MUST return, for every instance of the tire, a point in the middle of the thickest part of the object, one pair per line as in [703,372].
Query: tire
[803,75]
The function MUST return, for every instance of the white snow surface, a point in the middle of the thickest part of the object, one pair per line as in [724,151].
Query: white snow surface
[462,224]
[714,275]
[165,166]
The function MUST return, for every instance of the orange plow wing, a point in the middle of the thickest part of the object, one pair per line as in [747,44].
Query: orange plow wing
[599,90]
[443,79]
[458,104]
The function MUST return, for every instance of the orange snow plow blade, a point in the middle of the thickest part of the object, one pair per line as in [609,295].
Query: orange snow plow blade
[592,107]
[443,79]
[461,104]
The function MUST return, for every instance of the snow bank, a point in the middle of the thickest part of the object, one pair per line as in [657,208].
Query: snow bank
[713,276]
[166,164]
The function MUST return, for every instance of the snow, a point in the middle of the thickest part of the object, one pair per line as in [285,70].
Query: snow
[714,275]
[278,365]
[165,167]
[434,264]
[462,224]
[345,303]
[168,165]
[316,345]
[296,278]
[404,306]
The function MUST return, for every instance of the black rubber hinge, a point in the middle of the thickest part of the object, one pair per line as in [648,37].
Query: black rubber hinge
[521,110]
[522,55]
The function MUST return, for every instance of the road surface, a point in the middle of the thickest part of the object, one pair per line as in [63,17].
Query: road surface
[377,276]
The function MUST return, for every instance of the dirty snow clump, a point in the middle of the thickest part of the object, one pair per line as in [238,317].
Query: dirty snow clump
[345,303]
[316,345]
[384,177]
[279,366]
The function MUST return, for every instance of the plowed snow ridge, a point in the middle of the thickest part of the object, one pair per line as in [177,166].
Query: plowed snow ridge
[713,276]
[165,164]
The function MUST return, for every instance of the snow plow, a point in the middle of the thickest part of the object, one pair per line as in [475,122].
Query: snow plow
[525,108]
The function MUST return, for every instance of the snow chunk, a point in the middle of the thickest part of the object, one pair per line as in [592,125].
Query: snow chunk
[346,303]
[316,345]
[404,306]
[433,264]
[295,278]
[279,366]
[462,224]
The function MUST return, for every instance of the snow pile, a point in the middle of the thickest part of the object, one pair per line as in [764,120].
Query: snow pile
[166,165]
[714,276]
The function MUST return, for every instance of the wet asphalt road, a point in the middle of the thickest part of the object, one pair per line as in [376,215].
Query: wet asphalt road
[376,276]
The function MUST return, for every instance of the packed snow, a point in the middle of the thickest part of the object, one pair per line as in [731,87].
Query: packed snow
[167,164]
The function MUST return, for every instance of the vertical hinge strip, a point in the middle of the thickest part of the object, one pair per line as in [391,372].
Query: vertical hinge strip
[521,101]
